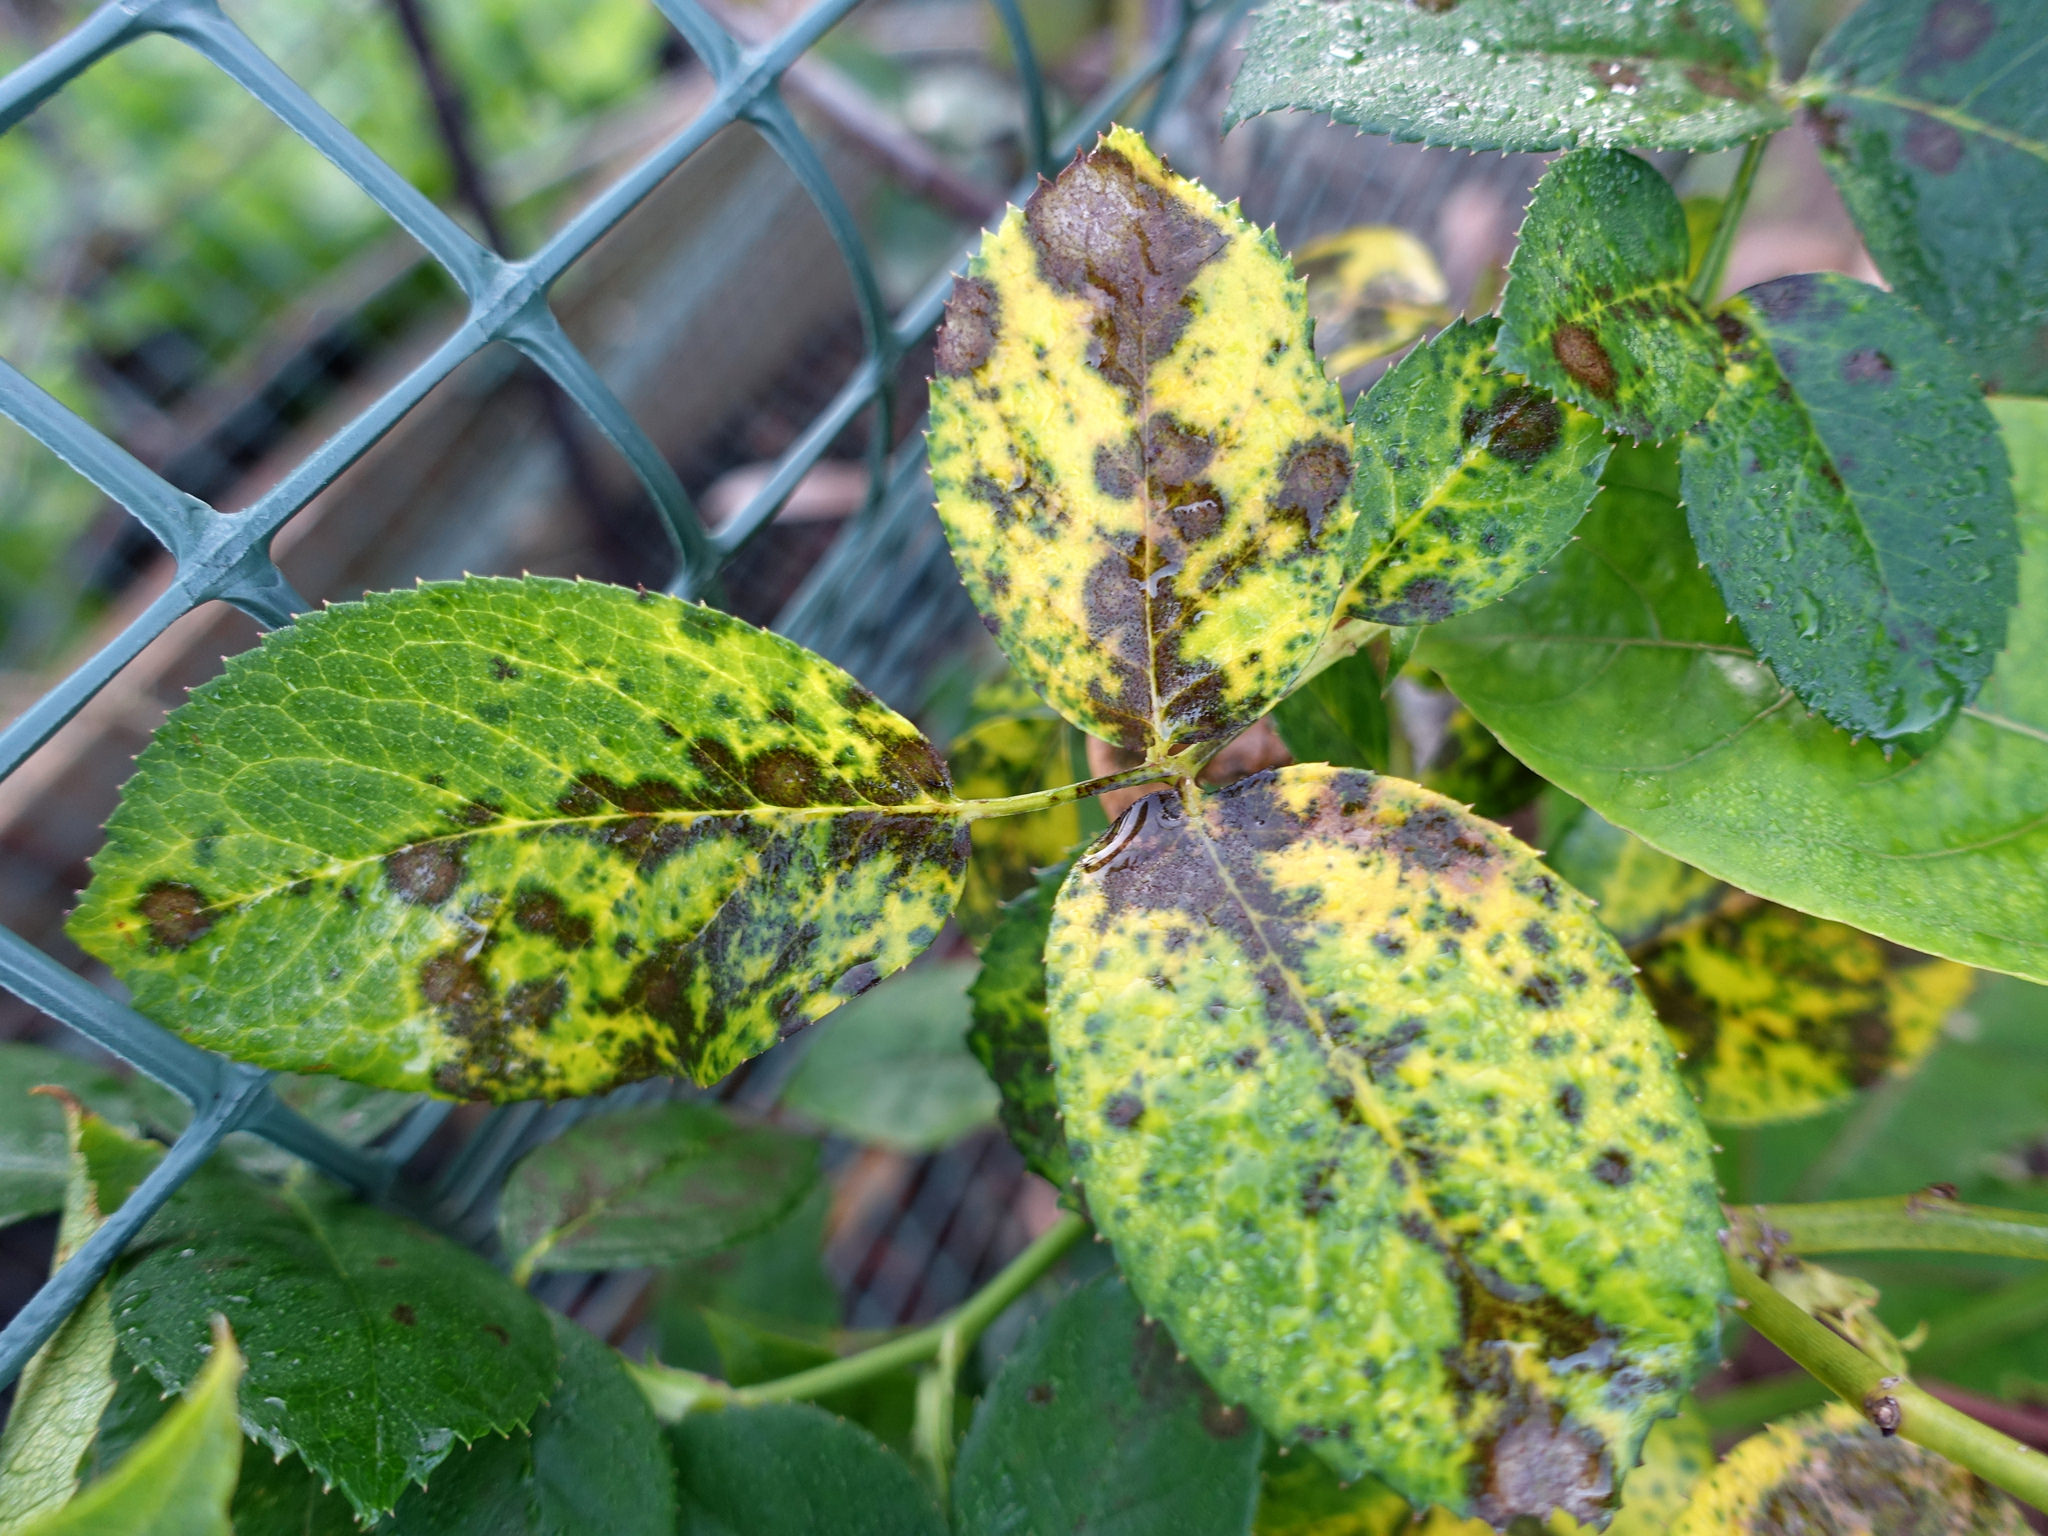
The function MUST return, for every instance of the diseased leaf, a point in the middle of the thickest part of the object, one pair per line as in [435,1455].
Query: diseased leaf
[1472,768]
[1515,74]
[1832,1470]
[788,1469]
[1301,1496]
[1779,1014]
[1852,498]
[1371,291]
[1093,1427]
[1015,743]
[1339,1013]
[67,1383]
[35,1156]
[1156,539]
[1580,672]
[435,1345]
[1008,1034]
[1678,1453]
[513,839]
[1339,716]
[179,1477]
[1596,308]
[593,1461]
[1482,479]
[894,1069]
[1934,126]
[1641,894]
[654,1184]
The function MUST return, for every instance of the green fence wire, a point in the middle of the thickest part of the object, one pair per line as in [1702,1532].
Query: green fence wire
[225,556]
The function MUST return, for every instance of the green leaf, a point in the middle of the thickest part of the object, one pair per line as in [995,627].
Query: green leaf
[1514,74]
[1093,1427]
[286,1498]
[510,839]
[1372,290]
[435,1345]
[1779,1014]
[1014,744]
[595,1461]
[1339,716]
[1483,479]
[35,1156]
[894,1069]
[788,1469]
[1932,121]
[1618,678]
[1641,894]
[67,1383]
[1596,308]
[179,1477]
[1008,1033]
[1851,496]
[777,1276]
[650,1185]
[1837,1461]
[1157,540]
[1381,1129]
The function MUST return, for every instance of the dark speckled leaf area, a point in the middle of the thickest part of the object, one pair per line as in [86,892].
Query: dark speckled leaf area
[1596,307]
[1832,1471]
[1382,1129]
[1515,74]
[1479,480]
[1934,124]
[513,839]
[1142,469]
[1850,493]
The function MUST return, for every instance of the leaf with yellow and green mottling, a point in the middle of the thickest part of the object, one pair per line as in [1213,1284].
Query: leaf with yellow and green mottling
[1479,480]
[1379,1125]
[1371,291]
[515,839]
[1141,467]
[1015,743]
[1641,894]
[1301,1496]
[1781,1014]
[1008,1034]
[1833,1471]
[1596,306]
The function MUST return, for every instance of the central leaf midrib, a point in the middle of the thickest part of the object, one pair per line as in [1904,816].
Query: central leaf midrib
[932,809]
[1366,1097]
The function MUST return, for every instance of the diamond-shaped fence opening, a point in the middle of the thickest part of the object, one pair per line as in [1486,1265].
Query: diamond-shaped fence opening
[225,557]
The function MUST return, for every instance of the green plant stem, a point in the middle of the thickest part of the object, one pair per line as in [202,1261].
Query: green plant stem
[675,1392]
[1926,1222]
[1706,283]
[1893,1402]
[1046,799]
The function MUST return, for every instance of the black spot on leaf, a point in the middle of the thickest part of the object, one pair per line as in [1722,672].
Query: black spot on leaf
[1580,354]
[969,333]
[177,914]
[1613,1167]
[425,874]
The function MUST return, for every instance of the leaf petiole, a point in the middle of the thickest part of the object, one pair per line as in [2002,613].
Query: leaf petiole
[1046,799]
[1929,1221]
[1891,1402]
[1706,282]
[675,1393]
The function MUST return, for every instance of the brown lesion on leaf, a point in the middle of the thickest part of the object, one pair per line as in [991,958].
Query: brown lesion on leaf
[177,914]
[1615,73]
[1952,31]
[1934,146]
[1314,477]
[1580,354]
[543,913]
[1521,425]
[1718,82]
[1539,1462]
[424,874]
[969,332]
[1109,235]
